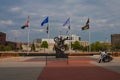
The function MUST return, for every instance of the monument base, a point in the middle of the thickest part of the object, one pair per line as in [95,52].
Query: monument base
[61,55]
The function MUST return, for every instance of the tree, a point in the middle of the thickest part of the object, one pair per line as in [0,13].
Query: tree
[96,46]
[2,47]
[7,48]
[33,47]
[66,47]
[44,45]
[76,46]
[116,47]
[100,46]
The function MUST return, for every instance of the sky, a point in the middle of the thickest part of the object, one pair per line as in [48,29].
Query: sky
[104,18]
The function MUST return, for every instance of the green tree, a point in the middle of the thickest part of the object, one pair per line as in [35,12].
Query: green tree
[2,47]
[7,48]
[96,46]
[100,46]
[116,47]
[66,47]
[44,45]
[76,46]
[33,47]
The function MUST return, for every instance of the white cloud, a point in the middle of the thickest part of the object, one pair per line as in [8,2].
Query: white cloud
[15,9]
[102,14]
[6,22]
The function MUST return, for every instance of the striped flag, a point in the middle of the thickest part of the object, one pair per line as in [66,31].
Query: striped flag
[27,24]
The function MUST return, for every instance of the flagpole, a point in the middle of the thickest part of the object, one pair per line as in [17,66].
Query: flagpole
[70,35]
[28,30]
[70,40]
[47,31]
[89,41]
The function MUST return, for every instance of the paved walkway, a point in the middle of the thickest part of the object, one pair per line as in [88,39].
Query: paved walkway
[78,68]
[16,68]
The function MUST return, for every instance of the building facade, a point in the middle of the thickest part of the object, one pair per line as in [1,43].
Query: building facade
[115,39]
[84,43]
[2,38]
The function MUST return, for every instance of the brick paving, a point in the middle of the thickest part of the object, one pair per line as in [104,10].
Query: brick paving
[76,70]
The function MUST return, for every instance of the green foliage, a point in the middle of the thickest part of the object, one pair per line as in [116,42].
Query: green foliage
[2,47]
[33,47]
[116,47]
[76,46]
[100,46]
[5,48]
[44,44]
[66,47]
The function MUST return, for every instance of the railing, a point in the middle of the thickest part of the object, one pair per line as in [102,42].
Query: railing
[115,54]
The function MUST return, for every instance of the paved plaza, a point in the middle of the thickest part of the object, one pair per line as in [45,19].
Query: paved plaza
[75,68]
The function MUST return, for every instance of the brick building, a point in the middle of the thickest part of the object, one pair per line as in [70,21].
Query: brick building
[2,38]
[115,39]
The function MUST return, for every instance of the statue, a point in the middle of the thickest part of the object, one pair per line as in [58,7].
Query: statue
[60,47]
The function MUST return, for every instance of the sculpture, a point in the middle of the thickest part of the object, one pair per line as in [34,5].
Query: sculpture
[60,47]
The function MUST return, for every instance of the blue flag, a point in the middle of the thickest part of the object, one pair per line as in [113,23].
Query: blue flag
[44,21]
[67,22]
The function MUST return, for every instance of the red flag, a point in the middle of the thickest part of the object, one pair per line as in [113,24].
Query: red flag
[27,24]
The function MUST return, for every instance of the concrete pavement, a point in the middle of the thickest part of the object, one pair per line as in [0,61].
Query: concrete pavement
[114,65]
[32,68]
[16,69]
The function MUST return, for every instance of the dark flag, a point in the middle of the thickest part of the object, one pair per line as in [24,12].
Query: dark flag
[86,26]
[47,29]
[26,24]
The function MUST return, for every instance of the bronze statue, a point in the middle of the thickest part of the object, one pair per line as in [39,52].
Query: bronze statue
[60,47]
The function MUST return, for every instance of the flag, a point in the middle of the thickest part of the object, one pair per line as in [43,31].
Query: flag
[26,24]
[86,26]
[67,22]
[47,29]
[44,21]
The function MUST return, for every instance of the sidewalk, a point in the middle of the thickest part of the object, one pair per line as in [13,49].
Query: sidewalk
[114,65]
[76,70]
[15,68]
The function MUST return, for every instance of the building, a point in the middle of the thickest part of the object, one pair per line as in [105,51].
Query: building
[84,43]
[7,43]
[2,38]
[12,44]
[115,39]
[73,38]
[37,43]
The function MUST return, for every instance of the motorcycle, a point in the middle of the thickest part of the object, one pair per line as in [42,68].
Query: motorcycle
[107,58]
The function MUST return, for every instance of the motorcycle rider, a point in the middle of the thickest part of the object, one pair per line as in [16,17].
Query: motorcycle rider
[102,55]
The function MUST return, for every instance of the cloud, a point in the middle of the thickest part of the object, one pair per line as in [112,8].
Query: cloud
[6,22]
[103,14]
[15,9]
